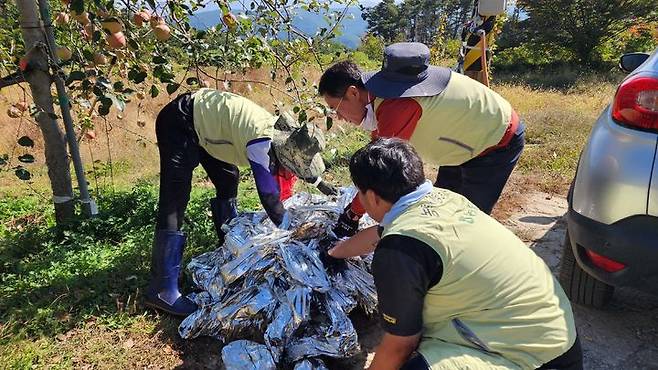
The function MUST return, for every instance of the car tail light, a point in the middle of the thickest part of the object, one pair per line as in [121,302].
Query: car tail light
[604,262]
[636,103]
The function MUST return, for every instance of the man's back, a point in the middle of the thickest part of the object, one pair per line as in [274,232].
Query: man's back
[494,293]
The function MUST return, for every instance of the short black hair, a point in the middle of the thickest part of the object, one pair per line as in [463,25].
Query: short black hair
[389,167]
[335,80]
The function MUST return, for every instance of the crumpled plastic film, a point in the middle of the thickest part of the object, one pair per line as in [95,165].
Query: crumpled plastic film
[355,281]
[310,364]
[337,337]
[237,315]
[269,286]
[247,355]
[299,297]
[304,265]
[256,259]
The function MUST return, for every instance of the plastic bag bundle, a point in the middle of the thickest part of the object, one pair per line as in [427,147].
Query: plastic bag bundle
[313,364]
[268,295]
[247,355]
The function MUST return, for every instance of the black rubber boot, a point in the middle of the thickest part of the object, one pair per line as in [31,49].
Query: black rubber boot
[163,293]
[223,211]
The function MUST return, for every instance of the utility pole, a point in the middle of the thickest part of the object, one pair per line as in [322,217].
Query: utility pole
[39,79]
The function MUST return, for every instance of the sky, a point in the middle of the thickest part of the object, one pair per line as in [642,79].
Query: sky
[213,5]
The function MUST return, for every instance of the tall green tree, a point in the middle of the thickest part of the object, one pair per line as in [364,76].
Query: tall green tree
[582,25]
[418,20]
[383,20]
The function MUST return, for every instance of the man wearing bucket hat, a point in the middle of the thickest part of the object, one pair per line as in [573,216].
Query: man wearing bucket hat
[222,131]
[454,122]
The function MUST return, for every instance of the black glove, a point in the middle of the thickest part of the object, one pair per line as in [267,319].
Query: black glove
[273,207]
[330,263]
[326,188]
[347,224]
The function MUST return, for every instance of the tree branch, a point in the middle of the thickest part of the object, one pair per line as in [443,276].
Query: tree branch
[12,79]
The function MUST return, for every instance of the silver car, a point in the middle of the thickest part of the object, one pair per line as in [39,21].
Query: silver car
[612,222]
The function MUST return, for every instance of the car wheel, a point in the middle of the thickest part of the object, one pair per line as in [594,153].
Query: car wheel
[581,287]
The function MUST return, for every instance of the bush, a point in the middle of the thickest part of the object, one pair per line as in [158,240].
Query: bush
[529,55]
[372,46]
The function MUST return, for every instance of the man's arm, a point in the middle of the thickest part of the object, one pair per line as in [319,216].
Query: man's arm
[404,269]
[393,351]
[266,185]
[363,242]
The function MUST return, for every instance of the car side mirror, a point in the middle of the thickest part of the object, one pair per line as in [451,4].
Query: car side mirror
[630,61]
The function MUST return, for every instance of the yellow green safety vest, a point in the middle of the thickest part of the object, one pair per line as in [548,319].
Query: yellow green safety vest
[226,122]
[459,123]
[495,295]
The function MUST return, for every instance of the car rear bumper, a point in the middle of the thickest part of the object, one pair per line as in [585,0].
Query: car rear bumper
[614,172]
[632,241]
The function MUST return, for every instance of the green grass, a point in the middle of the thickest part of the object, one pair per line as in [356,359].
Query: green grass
[558,121]
[57,279]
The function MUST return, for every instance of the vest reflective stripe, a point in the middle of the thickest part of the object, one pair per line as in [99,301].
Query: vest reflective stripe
[460,123]
[496,295]
[226,122]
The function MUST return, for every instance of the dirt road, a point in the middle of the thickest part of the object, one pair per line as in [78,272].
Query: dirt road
[622,336]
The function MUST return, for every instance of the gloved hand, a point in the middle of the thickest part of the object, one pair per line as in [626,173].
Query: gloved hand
[329,262]
[347,224]
[326,188]
[285,221]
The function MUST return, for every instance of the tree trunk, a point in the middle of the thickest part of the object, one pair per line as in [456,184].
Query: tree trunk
[39,79]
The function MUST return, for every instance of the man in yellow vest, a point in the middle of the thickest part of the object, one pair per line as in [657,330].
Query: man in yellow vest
[222,131]
[456,289]
[454,122]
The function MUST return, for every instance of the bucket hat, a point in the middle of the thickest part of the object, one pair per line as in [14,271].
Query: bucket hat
[406,72]
[298,147]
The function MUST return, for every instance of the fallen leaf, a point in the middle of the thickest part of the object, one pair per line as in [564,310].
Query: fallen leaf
[128,344]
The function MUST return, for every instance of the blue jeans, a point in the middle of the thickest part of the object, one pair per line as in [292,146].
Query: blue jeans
[482,179]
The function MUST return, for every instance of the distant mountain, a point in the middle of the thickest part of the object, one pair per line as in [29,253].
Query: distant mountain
[351,29]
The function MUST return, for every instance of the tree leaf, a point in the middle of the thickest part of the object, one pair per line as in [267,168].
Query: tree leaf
[133,44]
[26,141]
[171,88]
[118,102]
[26,158]
[23,174]
[104,82]
[103,110]
[137,76]
[157,59]
[78,6]
[75,76]
[330,122]
[302,116]
[154,91]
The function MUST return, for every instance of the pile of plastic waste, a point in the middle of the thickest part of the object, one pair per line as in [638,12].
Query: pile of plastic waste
[274,297]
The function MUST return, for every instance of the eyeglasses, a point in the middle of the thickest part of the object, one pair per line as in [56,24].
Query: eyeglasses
[334,112]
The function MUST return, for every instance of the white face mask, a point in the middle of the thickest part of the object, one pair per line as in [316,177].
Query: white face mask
[369,122]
